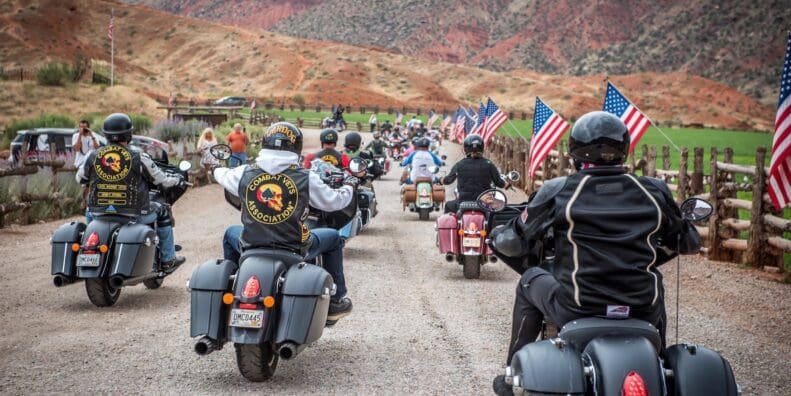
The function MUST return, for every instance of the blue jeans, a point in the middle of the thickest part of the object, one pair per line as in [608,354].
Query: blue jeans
[167,243]
[324,241]
[237,159]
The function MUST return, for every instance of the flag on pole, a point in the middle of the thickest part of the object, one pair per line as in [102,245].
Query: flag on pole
[445,122]
[495,118]
[458,129]
[398,117]
[548,128]
[478,130]
[780,166]
[469,124]
[111,27]
[636,121]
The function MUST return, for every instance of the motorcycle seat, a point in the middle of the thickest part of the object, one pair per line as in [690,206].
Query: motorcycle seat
[286,256]
[580,332]
[424,180]
[468,205]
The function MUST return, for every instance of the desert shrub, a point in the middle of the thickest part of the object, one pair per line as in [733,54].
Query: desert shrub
[101,74]
[55,74]
[298,99]
[141,123]
[173,130]
[79,67]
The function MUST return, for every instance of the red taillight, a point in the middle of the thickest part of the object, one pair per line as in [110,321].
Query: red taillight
[93,240]
[252,288]
[634,385]
[248,306]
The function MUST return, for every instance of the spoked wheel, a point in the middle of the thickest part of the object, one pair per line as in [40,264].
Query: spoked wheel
[423,214]
[101,293]
[472,267]
[153,283]
[257,363]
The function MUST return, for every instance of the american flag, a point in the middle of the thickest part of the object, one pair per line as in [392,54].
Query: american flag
[445,122]
[637,122]
[780,167]
[469,124]
[110,28]
[495,118]
[548,128]
[458,129]
[398,118]
[479,122]
[432,118]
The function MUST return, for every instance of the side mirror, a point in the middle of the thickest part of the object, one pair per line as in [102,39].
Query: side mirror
[696,209]
[357,165]
[514,176]
[185,165]
[221,151]
[492,200]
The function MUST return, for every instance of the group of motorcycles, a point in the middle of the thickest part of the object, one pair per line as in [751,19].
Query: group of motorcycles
[272,304]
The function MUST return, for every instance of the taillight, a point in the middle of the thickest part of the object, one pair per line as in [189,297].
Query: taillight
[252,288]
[634,385]
[93,240]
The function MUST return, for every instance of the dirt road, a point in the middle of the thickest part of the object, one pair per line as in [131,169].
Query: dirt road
[418,326]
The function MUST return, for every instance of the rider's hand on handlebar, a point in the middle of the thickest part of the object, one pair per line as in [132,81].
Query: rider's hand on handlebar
[437,180]
[351,181]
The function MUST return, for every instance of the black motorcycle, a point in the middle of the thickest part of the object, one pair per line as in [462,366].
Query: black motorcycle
[609,356]
[114,251]
[270,306]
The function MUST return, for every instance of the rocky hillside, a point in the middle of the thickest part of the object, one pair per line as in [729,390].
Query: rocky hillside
[736,42]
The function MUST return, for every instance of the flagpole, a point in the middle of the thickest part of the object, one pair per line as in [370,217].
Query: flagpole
[650,120]
[112,50]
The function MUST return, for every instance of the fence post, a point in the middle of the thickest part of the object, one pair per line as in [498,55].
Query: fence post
[563,159]
[682,176]
[665,157]
[651,165]
[714,236]
[757,248]
[696,181]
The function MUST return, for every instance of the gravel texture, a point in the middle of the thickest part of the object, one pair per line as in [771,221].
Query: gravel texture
[418,326]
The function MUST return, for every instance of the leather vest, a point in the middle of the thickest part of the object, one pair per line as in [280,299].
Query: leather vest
[274,208]
[330,156]
[117,184]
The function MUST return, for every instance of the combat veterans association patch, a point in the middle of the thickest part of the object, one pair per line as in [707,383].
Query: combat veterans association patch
[112,163]
[330,159]
[271,199]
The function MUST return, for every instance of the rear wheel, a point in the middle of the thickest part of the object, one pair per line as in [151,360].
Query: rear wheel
[423,213]
[101,293]
[256,362]
[153,283]
[472,266]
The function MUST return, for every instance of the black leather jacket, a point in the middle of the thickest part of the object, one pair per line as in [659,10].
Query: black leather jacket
[610,231]
[475,175]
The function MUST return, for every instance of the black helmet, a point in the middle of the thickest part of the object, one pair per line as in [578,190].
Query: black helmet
[328,135]
[473,144]
[352,141]
[118,127]
[376,135]
[283,136]
[599,138]
[421,142]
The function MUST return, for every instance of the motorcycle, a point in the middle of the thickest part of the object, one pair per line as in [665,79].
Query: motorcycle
[461,236]
[397,147]
[270,306]
[423,196]
[114,251]
[383,161]
[619,356]
[349,221]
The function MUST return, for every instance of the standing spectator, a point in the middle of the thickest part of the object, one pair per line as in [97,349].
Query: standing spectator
[238,141]
[83,143]
[372,122]
[205,143]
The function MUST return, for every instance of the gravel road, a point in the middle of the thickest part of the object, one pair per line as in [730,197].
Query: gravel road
[418,326]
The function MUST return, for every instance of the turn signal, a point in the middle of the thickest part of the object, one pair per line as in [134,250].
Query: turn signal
[483,233]
[227,298]
[75,247]
[103,248]
[461,232]
[269,302]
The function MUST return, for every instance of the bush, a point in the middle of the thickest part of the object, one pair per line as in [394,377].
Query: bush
[298,99]
[42,121]
[81,66]
[169,130]
[54,74]
[141,123]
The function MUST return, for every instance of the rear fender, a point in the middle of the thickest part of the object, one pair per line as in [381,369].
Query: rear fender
[423,193]
[268,270]
[614,357]
[105,227]
[699,371]
[473,221]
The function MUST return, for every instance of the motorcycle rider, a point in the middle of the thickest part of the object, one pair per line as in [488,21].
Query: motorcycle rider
[611,231]
[351,145]
[420,160]
[476,174]
[329,140]
[386,127]
[118,176]
[275,194]
[377,146]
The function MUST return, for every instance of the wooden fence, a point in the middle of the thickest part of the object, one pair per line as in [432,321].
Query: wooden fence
[759,241]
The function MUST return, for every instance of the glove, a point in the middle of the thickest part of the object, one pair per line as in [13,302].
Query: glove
[437,180]
[351,181]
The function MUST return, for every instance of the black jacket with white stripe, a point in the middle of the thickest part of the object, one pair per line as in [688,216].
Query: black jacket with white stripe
[609,231]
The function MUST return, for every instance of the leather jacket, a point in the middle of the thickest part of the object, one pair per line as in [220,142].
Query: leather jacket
[475,175]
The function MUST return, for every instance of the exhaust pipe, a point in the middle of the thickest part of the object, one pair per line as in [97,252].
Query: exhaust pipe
[205,346]
[117,281]
[60,280]
[288,350]
[450,257]
[493,258]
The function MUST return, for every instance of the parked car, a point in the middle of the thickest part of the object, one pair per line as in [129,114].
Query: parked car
[38,142]
[231,101]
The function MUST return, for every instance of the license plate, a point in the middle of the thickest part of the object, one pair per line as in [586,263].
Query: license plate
[424,201]
[247,318]
[471,242]
[88,260]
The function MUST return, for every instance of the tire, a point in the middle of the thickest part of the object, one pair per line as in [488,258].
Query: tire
[257,363]
[472,267]
[101,293]
[153,283]
[423,214]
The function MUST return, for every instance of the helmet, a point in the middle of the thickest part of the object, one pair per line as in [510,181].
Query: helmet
[283,136]
[352,141]
[421,142]
[118,127]
[473,144]
[376,135]
[599,138]
[328,135]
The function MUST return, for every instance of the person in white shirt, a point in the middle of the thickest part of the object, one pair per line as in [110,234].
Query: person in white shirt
[83,143]
[372,122]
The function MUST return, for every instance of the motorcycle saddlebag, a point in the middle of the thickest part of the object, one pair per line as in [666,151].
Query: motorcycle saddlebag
[63,258]
[409,194]
[543,368]
[306,300]
[438,191]
[699,371]
[135,248]
[208,283]
[447,234]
